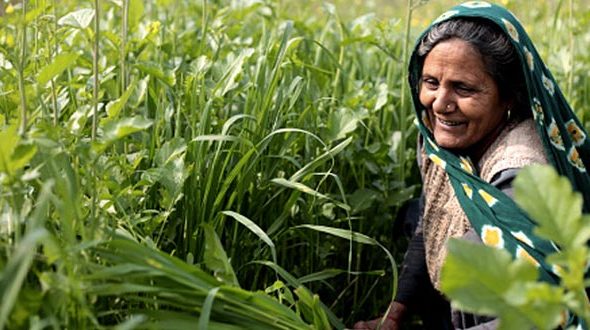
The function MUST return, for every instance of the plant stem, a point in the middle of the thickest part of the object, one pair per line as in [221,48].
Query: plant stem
[93,188]
[570,78]
[21,68]
[95,67]
[403,101]
[123,50]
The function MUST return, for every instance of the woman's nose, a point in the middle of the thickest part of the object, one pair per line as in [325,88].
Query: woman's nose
[443,101]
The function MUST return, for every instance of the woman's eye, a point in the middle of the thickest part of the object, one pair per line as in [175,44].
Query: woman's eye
[462,89]
[430,83]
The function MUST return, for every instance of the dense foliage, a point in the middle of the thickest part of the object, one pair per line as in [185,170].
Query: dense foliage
[233,163]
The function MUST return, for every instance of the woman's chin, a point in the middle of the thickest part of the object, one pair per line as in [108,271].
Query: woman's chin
[450,143]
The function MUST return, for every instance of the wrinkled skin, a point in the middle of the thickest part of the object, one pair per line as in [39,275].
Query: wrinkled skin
[461,98]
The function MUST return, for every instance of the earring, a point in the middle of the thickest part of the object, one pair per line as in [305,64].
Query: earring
[509,113]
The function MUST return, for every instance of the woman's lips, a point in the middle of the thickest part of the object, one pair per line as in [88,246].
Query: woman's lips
[450,123]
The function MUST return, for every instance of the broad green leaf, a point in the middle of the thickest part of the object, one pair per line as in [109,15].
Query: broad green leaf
[121,128]
[79,19]
[59,64]
[362,199]
[171,150]
[115,107]
[8,142]
[253,227]
[342,122]
[22,156]
[382,96]
[13,155]
[216,259]
[486,281]
[551,202]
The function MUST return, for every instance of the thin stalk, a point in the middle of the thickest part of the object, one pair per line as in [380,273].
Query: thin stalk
[49,51]
[403,101]
[204,25]
[570,78]
[95,67]
[21,67]
[94,191]
[54,101]
[123,50]
[340,62]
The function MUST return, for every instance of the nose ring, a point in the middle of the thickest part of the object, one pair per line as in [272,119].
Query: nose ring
[448,107]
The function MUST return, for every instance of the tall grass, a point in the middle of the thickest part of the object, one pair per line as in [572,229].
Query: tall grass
[213,163]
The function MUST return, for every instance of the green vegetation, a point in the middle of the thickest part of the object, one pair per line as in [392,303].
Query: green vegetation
[487,281]
[235,164]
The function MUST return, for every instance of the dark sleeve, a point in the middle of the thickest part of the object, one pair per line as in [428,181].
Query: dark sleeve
[413,276]
[414,284]
[414,280]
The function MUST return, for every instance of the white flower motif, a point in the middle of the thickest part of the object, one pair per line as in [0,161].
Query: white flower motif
[576,133]
[492,236]
[549,86]
[446,15]
[489,199]
[468,190]
[574,157]
[476,4]
[555,135]
[529,59]
[437,160]
[511,29]
[523,238]
[538,110]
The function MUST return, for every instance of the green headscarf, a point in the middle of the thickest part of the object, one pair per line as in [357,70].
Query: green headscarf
[565,142]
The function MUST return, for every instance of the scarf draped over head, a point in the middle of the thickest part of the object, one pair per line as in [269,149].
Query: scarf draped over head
[567,148]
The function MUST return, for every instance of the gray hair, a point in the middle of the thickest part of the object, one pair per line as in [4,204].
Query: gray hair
[499,56]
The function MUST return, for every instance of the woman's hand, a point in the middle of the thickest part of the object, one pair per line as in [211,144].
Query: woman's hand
[392,320]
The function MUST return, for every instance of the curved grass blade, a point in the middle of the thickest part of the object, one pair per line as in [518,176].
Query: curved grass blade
[206,311]
[255,229]
[359,238]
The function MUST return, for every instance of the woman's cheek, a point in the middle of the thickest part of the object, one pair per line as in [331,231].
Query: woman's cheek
[424,98]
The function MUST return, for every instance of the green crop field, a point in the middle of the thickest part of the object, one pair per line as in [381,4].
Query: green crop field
[217,164]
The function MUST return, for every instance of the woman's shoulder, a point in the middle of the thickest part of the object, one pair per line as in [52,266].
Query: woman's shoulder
[517,146]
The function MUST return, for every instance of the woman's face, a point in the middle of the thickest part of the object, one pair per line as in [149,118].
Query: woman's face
[462,100]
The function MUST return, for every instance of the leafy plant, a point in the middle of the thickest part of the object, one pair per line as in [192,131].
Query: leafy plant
[487,281]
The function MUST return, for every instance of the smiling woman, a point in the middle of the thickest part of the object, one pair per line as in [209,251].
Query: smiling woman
[462,101]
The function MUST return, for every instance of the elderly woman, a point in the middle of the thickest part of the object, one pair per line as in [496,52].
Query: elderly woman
[486,106]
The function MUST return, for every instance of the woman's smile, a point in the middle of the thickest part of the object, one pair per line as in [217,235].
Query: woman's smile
[450,123]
